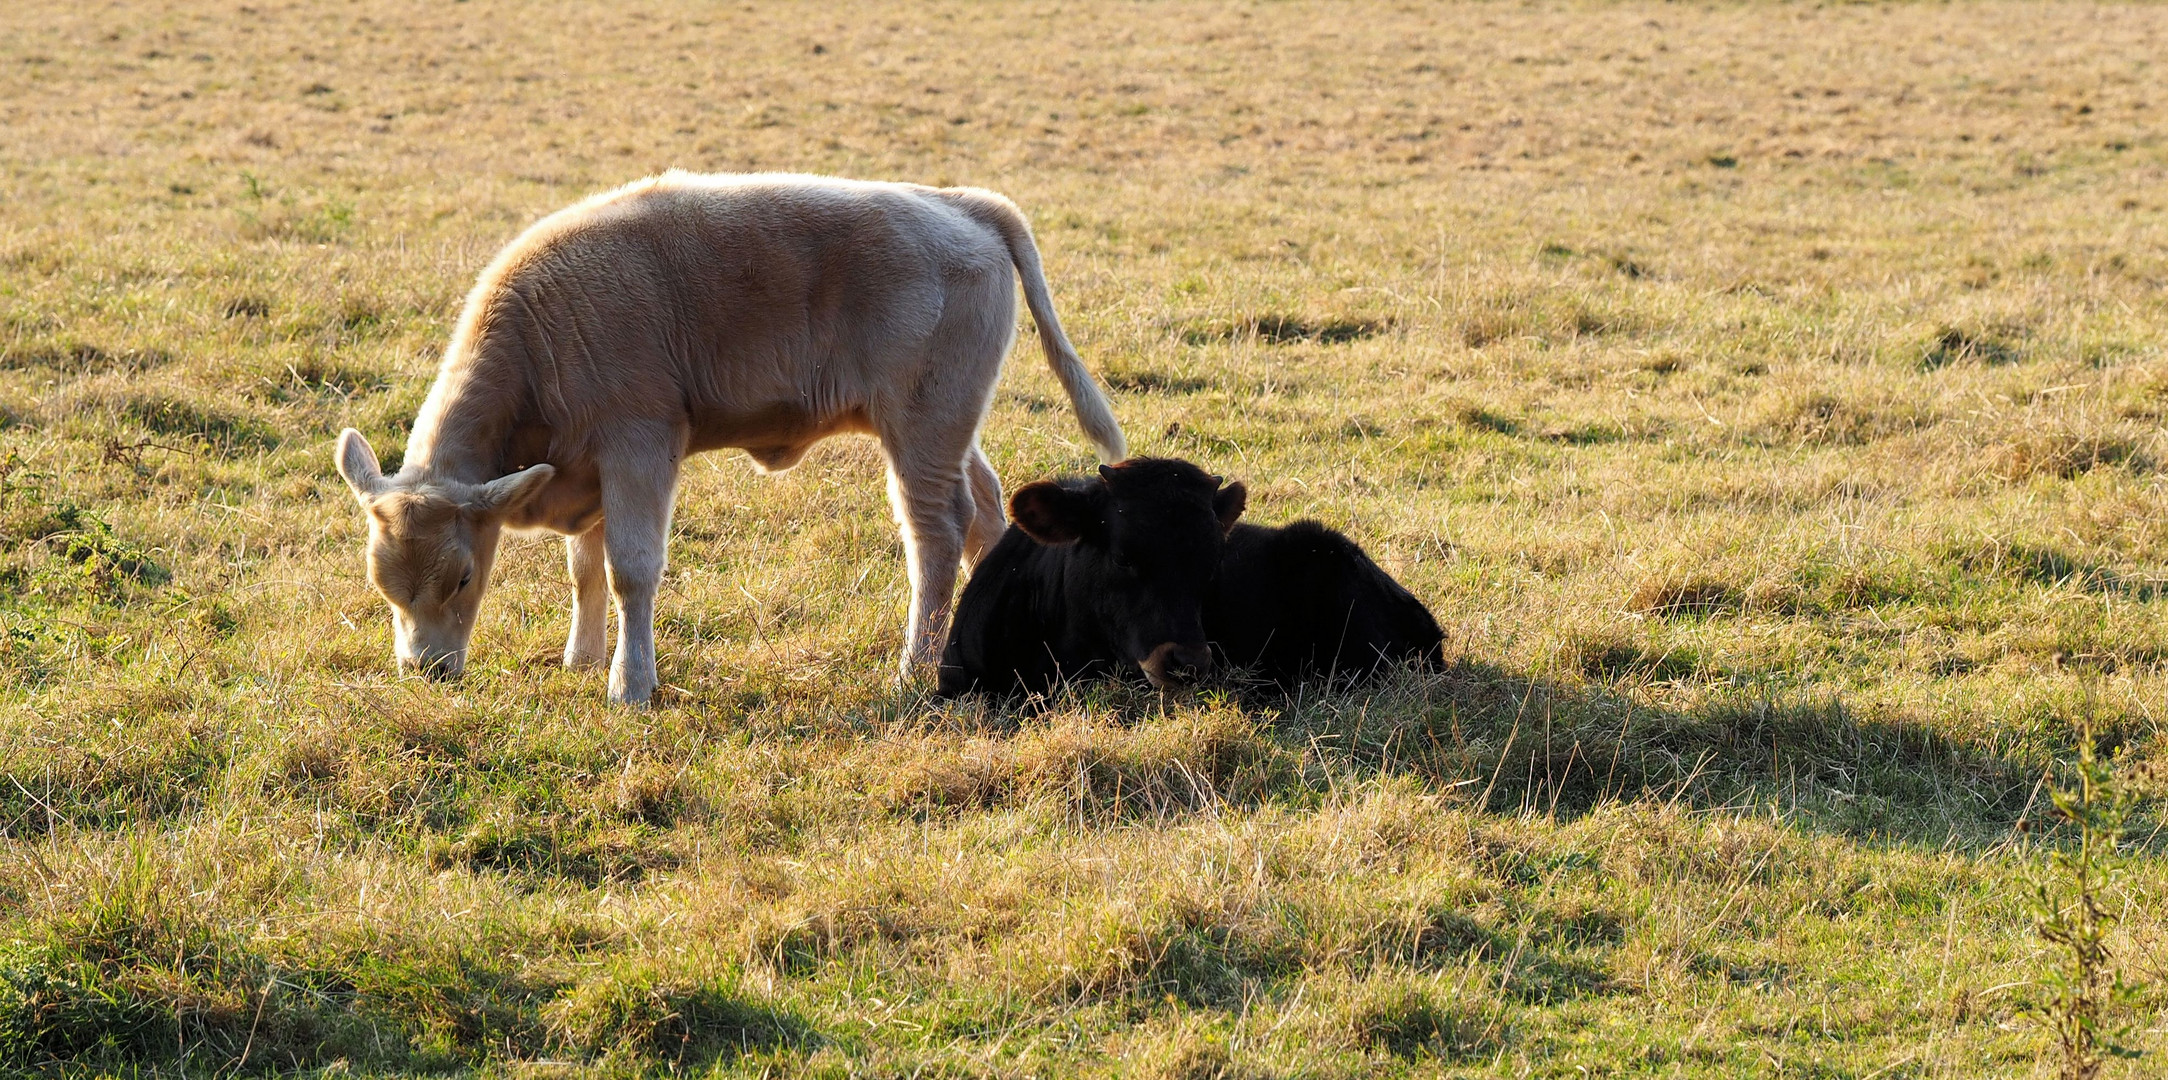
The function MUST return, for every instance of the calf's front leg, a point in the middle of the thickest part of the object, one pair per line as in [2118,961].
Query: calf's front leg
[590,599]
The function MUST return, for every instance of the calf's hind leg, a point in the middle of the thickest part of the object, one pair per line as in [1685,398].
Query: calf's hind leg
[639,484]
[590,599]
[930,433]
[980,510]
[928,492]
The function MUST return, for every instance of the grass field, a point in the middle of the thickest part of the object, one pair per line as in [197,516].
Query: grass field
[1766,398]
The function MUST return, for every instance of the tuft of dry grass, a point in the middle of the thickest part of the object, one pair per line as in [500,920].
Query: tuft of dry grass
[1662,596]
[1095,766]
[2065,454]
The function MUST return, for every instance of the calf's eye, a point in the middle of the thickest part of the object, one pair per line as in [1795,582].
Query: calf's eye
[463,579]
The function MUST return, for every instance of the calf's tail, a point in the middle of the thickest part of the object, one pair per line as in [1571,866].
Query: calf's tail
[1093,413]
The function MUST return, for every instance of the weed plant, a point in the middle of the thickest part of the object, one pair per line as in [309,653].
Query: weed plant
[2086,993]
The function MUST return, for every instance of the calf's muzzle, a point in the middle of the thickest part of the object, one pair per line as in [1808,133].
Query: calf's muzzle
[1173,664]
[441,667]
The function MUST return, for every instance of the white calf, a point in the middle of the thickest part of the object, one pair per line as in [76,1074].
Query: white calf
[685,313]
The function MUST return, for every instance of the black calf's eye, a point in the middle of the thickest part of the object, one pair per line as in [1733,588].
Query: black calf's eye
[463,579]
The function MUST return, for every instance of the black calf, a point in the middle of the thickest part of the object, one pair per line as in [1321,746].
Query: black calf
[1096,575]
[1145,568]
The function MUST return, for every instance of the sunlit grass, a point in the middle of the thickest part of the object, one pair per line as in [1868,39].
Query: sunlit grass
[1766,399]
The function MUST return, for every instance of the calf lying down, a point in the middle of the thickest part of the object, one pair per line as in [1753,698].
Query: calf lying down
[1144,567]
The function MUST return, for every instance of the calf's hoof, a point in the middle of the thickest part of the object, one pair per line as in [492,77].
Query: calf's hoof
[582,661]
[917,672]
[632,692]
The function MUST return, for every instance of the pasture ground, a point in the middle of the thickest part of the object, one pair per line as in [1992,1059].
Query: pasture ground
[1767,398]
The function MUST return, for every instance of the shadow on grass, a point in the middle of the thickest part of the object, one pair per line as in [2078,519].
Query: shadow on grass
[686,1025]
[1515,744]
[139,983]
[1532,745]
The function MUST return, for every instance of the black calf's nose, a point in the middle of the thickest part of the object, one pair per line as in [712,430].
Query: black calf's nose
[1173,663]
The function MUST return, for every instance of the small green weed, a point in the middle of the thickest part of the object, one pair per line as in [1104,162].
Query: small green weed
[2086,992]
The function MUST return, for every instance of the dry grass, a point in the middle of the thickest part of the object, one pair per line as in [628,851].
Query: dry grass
[1767,399]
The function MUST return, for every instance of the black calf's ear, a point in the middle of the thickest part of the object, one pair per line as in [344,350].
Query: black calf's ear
[1228,503]
[1051,513]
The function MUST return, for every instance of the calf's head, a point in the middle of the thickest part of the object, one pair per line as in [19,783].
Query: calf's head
[1147,536]
[431,543]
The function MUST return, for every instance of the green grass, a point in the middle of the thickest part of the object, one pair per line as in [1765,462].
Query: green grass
[1767,400]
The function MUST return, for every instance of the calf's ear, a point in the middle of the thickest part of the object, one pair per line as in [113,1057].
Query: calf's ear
[1228,503]
[1051,513]
[357,463]
[509,493]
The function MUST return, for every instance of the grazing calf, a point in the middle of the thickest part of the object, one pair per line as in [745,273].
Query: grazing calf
[685,313]
[1146,568]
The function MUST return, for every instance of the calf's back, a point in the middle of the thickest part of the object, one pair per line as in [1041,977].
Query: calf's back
[1302,600]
